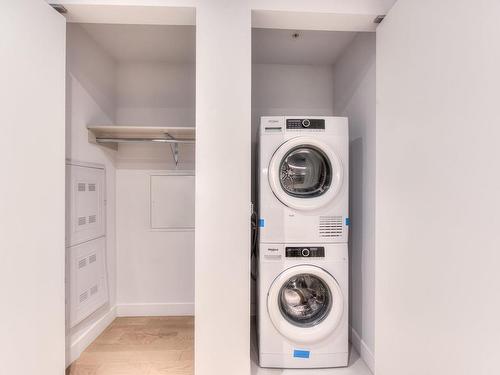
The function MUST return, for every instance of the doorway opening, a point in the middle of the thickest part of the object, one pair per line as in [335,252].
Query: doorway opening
[130,173]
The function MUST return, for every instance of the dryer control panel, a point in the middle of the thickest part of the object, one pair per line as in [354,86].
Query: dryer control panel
[305,252]
[305,123]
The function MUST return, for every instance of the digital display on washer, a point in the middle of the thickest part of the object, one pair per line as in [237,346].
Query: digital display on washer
[305,123]
[305,252]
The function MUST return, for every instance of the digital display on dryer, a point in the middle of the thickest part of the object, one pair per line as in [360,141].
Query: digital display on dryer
[305,123]
[305,252]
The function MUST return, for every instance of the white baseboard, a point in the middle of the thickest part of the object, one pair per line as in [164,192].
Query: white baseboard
[155,309]
[363,350]
[89,335]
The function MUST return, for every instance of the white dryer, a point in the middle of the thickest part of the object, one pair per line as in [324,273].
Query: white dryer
[303,179]
[303,305]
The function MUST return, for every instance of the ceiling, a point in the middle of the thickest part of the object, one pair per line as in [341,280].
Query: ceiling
[274,46]
[176,44]
[163,43]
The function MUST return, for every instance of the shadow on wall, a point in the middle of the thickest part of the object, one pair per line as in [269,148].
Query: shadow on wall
[85,68]
[92,67]
[352,70]
[356,182]
[354,97]
[69,106]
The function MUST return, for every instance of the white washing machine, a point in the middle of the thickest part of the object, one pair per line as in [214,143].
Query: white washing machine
[303,305]
[303,179]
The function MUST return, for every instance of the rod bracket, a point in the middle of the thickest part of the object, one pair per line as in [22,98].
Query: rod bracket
[174,147]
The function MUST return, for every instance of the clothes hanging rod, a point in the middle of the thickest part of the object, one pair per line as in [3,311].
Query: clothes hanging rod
[142,140]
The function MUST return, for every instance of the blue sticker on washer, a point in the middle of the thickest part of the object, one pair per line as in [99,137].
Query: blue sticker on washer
[261,223]
[347,221]
[301,353]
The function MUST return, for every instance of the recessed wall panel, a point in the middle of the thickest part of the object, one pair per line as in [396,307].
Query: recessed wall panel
[172,202]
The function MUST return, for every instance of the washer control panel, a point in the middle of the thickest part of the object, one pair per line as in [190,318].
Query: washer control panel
[305,252]
[305,123]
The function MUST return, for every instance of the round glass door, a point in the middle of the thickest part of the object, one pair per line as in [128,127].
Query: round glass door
[305,303]
[306,172]
[305,300]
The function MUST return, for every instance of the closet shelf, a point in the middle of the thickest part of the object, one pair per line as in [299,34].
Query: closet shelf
[112,135]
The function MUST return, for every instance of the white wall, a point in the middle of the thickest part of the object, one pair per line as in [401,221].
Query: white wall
[90,99]
[94,69]
[155,94]
[32,189]
[437,189]
[155,268]
[223,163]
[279,89]
[354,97]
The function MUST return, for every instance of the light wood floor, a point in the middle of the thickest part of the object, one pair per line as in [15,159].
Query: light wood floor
[140,346]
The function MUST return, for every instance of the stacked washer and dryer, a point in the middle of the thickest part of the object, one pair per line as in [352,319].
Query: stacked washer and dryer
[302,291]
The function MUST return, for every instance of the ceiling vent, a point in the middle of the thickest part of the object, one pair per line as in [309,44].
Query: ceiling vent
[60,8]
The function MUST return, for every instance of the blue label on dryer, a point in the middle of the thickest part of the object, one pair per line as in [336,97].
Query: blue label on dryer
[301,353]
[347,221]
[261,223]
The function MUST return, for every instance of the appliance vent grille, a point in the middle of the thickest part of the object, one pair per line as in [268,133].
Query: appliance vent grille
[84,296]
[82,220]
[81,186]
[92,258]
[93,290]
[330,226]
[91,187]
[82,263]
[92,219]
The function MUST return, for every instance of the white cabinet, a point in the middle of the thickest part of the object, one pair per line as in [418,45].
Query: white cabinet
[87,279]
[86,242]
[86,197]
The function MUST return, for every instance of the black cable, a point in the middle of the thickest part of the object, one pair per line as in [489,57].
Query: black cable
[254,234]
